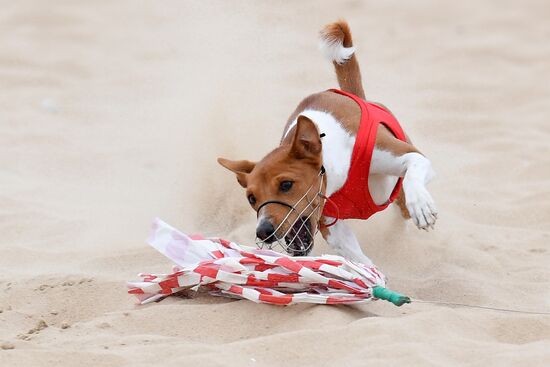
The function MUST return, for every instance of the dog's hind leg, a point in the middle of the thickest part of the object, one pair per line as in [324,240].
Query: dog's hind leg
[341,238]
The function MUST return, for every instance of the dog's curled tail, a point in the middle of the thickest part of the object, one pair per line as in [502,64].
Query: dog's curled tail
[337,46]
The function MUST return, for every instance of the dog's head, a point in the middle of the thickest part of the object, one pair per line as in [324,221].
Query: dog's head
[284,189]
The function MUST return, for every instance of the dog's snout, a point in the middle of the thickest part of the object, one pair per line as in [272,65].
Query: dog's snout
[265,231]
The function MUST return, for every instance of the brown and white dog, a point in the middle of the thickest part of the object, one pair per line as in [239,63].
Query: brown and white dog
[313,160]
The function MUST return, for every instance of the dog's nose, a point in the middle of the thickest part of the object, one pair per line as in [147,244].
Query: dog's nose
[265,231]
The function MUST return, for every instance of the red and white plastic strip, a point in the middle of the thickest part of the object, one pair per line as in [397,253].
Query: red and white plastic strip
[258,275]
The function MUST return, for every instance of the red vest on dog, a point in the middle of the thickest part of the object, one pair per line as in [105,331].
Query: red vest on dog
[353,200]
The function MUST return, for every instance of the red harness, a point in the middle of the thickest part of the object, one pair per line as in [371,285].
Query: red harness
[353,200]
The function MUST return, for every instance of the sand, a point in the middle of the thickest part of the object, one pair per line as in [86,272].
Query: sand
[112,113]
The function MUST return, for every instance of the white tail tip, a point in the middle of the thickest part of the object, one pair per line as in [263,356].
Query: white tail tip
[334,50]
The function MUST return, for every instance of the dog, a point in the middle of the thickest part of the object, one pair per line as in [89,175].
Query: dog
[340,157]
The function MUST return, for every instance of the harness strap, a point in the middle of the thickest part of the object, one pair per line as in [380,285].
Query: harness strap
[273,202]
[328,201]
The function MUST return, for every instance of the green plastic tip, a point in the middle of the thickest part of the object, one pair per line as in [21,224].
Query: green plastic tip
[391,296]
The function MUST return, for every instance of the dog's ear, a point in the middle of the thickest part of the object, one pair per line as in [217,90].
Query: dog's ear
[241,168]
[306,142]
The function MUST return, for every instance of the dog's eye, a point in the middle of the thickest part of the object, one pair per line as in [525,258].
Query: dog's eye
[251,199]
[285,186]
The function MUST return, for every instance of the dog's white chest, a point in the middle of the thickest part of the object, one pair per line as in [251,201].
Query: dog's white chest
[337,147]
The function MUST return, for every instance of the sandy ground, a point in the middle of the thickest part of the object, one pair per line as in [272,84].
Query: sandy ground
[112,113]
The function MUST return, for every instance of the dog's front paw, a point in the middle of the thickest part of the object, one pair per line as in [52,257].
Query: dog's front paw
[421,207]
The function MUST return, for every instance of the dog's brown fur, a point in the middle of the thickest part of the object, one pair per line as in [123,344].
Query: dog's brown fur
[298,160]
[299,157]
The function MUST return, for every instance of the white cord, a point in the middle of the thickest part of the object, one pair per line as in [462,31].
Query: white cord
[480,307]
